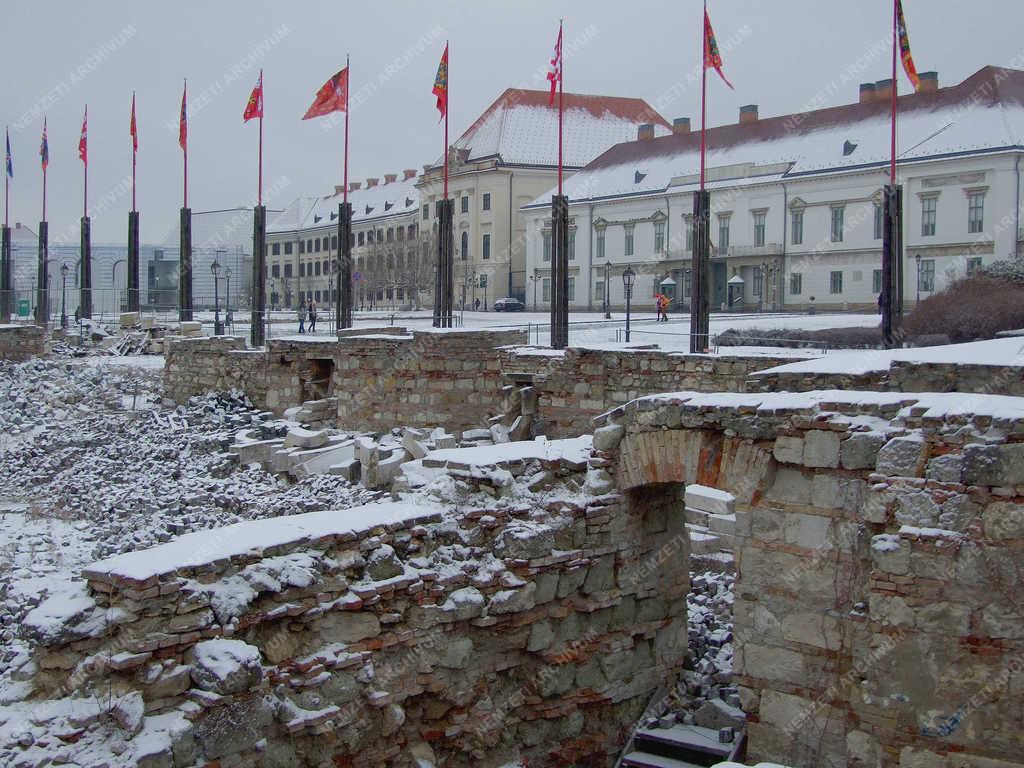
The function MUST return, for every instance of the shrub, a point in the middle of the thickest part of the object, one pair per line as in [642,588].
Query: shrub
[1006,270]
[828,338]
[975,308]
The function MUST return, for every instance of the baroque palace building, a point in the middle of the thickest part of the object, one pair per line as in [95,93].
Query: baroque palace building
[796,218]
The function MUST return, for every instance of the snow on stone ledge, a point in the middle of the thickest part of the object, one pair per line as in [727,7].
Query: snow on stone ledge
[574,450]
[205,547]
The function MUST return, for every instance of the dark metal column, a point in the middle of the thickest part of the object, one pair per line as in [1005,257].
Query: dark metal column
[134,304]
[699,303]
[343,276]
[5,276]
[258,303]
[185,267]
[85,278]
[42,280]
[892,266]
[559,272]
[444,301]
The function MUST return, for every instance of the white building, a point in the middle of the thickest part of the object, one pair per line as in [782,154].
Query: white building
[795,201]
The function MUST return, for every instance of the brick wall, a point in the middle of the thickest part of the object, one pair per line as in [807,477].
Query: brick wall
[20,342]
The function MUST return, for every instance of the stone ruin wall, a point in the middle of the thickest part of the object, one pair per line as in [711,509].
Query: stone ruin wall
[22,342]
[546,639]
[878,614]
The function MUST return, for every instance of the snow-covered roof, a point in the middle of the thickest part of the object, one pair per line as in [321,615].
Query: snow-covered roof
[984,113]
[520,128]
[380,201]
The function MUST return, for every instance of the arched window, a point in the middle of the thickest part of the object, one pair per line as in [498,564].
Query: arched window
[465,246]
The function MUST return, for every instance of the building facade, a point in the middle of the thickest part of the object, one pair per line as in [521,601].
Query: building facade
[796,216]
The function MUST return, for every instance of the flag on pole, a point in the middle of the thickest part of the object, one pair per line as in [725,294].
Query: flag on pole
[441,84]
[254,107]
[44,148]
[555,70]
[183,120]
[712,58]
[908,60]
[9,163]
[133,129]
[83,140]
[332,97]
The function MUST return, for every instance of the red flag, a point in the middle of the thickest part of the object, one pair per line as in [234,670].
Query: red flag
[332,97]
[83,140]
[905,57]
[441,84]
[254,107]
[555,71]
[183,120]
[712,58]
[44,149]
[133,128]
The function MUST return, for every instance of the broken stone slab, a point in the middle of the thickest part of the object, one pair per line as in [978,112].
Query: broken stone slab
[350,469]
[710,500]
[860,450]
[412,444]
[190,328]
[226,666]
[305,438]
[716,714]
[472,435]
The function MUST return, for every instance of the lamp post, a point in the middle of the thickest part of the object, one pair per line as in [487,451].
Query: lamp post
[533,279]
[628,276]
[917,301]
[607,288]
[218,330]
[63,294]
[227,297]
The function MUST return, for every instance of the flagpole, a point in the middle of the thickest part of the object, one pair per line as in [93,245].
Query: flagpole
[185,148]
[703,89]
[448,90]
[259,182]
[348,75]
[44,171]
[895,34]
[7,188]
[561,106]
[85,168]
[135,126]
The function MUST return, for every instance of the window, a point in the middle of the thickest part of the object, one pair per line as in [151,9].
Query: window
[759,227]
[926,275]
[391,235]
[334,242]
[487,201]
[316,296]
[546,237]
[599,290]
[287,249]
[380,235]
[572,246]
[686,283]
[400,233]
[572,289]
[360,238]
[600,243]
[688,223]
[878,221]
[758,281]
[275,249]
[628,251]
[275,270]
[723,233]
[838,214]
[659,236]
[309,245]
[796,283]
[327,267]
[928,206]
[426,211]
[287,270]
[316,269]
[973,265]
[486,252]
[316,245]
[369,237]
[876,281]
[302,269]
[302,246]
[797,222]
[835,282]
[465,203]
[465,245]
[545,289]
[976,212]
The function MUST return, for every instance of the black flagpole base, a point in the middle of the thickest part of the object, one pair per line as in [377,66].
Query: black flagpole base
[257,315]
[185,267]
[559,272]
[700,308]
[85,279]
[42,313]
[343,273]
[5,276]
[444,279]
[892,266]
[134,304]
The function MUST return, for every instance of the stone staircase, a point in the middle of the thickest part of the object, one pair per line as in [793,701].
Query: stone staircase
[711,523]
[683,746]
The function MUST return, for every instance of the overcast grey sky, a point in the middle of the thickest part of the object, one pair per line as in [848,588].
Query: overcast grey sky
[60,55]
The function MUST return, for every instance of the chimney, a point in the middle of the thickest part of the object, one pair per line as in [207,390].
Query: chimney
[390,177]
[645,132]
[748,114]
[867,93]
[408,173]
[929,82]
[354,185]
[427,167]
[371,183]
[338,188]
[883,90]
[681,125]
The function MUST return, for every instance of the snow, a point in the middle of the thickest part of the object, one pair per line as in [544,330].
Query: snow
[574,450]
[222,658]
[368,204]
[885,542]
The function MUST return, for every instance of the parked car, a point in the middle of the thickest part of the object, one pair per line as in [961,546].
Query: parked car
[509,305]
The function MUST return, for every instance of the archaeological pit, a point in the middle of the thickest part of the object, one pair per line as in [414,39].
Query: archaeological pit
[524,602]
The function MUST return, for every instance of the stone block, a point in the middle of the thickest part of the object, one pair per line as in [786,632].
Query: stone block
[821,448]
[716,714]
[860,450]
[945,469]
[607,438]
[999,465]
[890,553]
[710,500]
[305,438]
[1003,520]
[791,486]
[513,600]
[901,456]
[788,449]
[456,653]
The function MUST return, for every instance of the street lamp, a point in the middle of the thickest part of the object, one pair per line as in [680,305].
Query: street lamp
[627,284]
[917,258]
[218,330]
[607,288]
[533,279]
[63,294]
[227,297]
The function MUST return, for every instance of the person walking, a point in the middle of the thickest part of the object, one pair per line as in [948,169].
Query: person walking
[312,317]
[663,302]
[302,319]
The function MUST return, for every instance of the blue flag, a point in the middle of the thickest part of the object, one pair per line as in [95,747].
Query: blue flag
[10,165]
